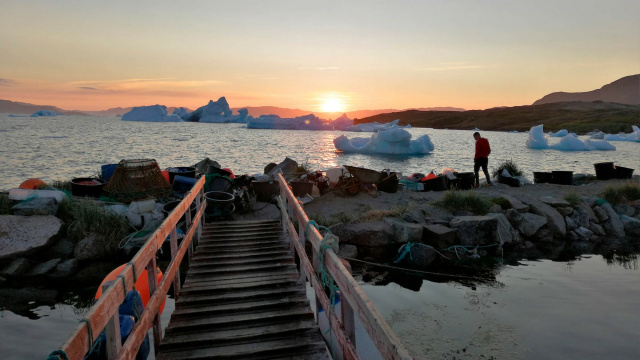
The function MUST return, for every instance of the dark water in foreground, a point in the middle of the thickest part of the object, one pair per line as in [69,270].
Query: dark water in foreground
[588,308]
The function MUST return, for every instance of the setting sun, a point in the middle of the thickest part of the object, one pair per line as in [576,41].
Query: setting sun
[332,105]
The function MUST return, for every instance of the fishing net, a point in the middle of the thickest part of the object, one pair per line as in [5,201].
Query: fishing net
[137,180]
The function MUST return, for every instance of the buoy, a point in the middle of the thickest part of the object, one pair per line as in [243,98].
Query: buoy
[444,171]
[32,184]
[142,284]
[232,176]
[429,177]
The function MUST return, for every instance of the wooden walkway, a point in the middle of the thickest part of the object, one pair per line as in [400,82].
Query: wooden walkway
[243,299]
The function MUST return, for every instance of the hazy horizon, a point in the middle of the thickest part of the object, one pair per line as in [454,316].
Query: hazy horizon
[321,57]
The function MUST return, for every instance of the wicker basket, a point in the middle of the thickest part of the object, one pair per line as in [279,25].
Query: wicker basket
[137,179]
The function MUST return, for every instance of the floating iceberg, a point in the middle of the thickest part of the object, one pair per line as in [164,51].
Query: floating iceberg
[373,127]
[392,141]
[45,113]
[634,136]
[596,134]
[537,140]
[153,113]
[214,112]
[342,123]
[307,122]
[560,133]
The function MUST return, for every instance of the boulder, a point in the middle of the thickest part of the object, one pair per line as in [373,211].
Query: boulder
[601,215]
[530,224]
[613,225]
[596,229]
[583,233]
[371,234]
[418,256]
[506,233]
[348,251]
[92,247]
[544,235]
[62,249]
[45,267]
[631,226]
[590,201]
[438,236]
[571,225]
[23,235]
[496,209]
[565,210]
[403,231]
[555,202]
[475,230]
[580,216]
[516,204]
[514,217]
[592,215]
[554,219]
[17,267]
[624,209]
[66,268]
[36,206]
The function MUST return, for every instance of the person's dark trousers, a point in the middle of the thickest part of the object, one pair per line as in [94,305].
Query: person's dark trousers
[481,162]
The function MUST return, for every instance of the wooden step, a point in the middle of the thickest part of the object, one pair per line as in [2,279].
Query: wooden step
[244,307]
[241,296]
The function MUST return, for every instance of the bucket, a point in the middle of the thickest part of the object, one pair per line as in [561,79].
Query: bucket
[168,208]
[106,171]
[562,177]
[301,188]
[542,177]
[466,180]
[183,184]
[436,184]
[605,170]
[219,183]
[623,172]
[265,190]
[389,184]
[218,202]
[86,187]
[186,171]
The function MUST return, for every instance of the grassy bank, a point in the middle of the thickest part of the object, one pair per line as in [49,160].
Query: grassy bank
[578,117]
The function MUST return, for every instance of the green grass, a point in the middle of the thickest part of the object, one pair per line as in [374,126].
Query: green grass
[511,167]
[573,199]
[374,215]
[456,201]
[5,204]
[84,217]
[61,185]
[629,191]
[504,203]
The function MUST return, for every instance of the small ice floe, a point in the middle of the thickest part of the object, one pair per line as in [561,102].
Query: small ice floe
[153,113]
[537,140]
[634,136]
[393,141]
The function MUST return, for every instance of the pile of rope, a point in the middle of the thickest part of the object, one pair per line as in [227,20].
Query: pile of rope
[137,180]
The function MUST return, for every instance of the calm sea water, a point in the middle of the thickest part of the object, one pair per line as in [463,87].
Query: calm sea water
[587,309]
[65,147]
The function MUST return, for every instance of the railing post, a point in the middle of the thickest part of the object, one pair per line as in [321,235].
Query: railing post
[173,241]
[348,320]
[302,240]
[112,330]
[157,328]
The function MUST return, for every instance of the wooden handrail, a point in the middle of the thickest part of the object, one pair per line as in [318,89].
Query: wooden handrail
[80,341]
[385,340]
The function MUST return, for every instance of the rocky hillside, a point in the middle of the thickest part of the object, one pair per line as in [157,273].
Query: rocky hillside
[12,107]
[579,117]
[622,91]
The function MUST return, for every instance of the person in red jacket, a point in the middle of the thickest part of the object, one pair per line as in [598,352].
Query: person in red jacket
[482,157]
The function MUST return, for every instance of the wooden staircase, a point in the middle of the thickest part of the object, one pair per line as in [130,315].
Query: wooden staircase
[242,299]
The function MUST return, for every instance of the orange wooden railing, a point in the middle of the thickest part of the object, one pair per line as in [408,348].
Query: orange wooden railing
[103,315]
[354,301]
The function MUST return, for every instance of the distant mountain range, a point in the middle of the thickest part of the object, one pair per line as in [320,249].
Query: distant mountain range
[622,91]
[12,107]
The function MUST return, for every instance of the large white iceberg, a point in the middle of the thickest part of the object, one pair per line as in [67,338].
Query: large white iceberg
[392,141]
[537,140]
[153,113]
[373,127]
[342,123]
[214,112]
[634,136]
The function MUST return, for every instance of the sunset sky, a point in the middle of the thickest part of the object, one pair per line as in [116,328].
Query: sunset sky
[314,55]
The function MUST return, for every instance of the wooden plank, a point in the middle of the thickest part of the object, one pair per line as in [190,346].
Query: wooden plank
[258,304]
[243,320]
[294,348]
[240,296]
[240,280]
[203,263]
